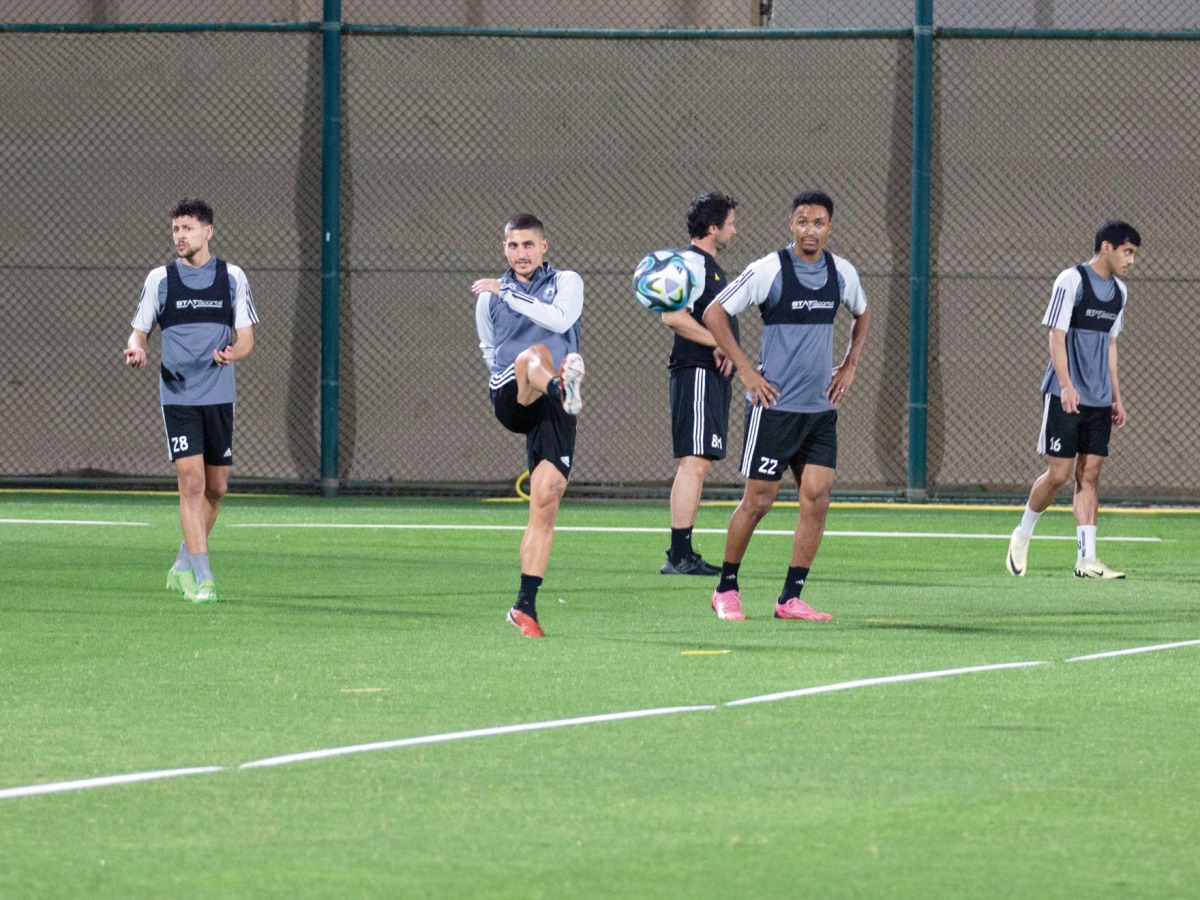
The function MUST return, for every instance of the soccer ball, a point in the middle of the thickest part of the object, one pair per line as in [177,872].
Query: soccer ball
[668,280]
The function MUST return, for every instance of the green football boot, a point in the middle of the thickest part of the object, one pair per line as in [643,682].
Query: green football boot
[204,592]
[181,581]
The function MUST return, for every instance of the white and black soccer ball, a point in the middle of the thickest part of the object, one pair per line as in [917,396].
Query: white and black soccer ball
[667,280]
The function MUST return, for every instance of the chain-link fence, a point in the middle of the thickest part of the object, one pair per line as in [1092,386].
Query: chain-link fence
[530,14]
[605,136]
[1157,15]
[1027,167]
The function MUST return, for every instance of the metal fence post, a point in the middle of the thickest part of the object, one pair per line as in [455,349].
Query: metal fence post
[918,323]
[331,171]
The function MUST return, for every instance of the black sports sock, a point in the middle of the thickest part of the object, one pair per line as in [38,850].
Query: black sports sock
[681,543]
[794,583]
[729,573]
[554,388]
[527,595]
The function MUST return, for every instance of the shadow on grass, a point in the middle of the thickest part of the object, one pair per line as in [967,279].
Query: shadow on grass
[935,628]
[735,644]
[342,609]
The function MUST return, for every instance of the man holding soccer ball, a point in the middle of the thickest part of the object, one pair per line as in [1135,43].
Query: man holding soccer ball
[791,400]
[701,377]
[528,326]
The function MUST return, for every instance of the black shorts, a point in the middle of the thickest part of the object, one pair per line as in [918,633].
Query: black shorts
[1066,435]
[699,412]
[548,428]
[192,430]
[776,441]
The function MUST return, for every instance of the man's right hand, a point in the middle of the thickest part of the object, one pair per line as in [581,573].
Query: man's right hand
[761,391]
[1070,399]
[135,358]
[486,286]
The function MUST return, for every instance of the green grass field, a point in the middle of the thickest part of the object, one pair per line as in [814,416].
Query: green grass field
[1066,779]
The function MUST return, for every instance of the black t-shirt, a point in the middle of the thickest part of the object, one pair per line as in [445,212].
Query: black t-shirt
[689,354]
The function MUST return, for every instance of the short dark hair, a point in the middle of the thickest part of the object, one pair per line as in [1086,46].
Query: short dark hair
[195,207]
[707,211]
[813,198]
[524,222]
[1117,233]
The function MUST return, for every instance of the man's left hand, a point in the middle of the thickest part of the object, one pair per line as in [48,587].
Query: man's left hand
[1119,417]
[843,377]
[724,363]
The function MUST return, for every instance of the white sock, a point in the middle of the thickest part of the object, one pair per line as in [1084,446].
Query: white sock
[1087,541]
[1028,520]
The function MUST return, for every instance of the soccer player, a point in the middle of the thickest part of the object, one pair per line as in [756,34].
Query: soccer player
[791,399]
[206,312]
[528,324]
[701,379]
[1081,393]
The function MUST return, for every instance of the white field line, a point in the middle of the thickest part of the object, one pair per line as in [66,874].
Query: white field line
[581,528]
[106,781]
[870,682]
[67,522]
[109,780]
[1132,650]
[623,530]
[466,735]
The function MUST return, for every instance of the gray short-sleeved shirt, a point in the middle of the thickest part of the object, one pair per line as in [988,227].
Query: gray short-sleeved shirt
[188,347]
[1091,319]
[796,358]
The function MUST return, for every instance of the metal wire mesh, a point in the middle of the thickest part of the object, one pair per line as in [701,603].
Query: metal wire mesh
[876,14]
[468,13]
[1167,15]
[606,138]
[1164,15]
[102,134]
[606,141]
[1037,143]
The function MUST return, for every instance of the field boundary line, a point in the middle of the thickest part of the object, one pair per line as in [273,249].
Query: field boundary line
[884,679]
[56,787]
[1111,653]
[618,529]
[69,522]
[306,756]
[473,733]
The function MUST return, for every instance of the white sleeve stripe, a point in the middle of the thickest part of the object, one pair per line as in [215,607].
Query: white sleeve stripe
[146,315]
[734,285]
[1056,305]
[1065,293]
[243,300]
[250,310]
